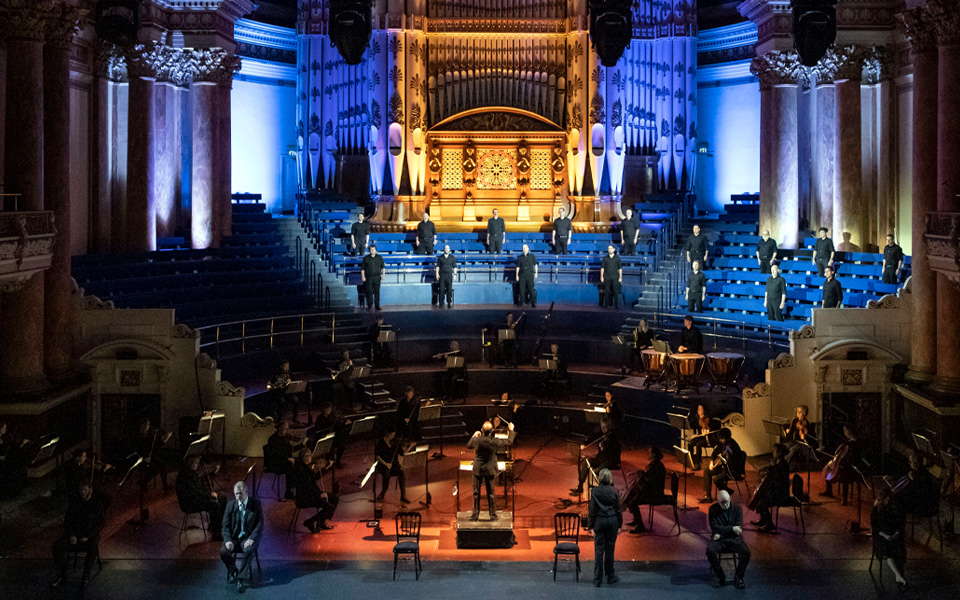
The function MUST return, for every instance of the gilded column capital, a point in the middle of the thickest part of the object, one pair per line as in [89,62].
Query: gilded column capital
[945,16]
[777,67]
[919,29]
[25,19]
[215,65]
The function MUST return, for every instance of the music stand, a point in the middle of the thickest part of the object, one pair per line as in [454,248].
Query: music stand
[197,448]
[377,513]
[455,362]
[46,451]
[504,335]
[685,458]
[431,410]
[547,364]
[594,415]
[362,426]
[924,444]
[387,336]
[209,418]
[144,511]
[808,455]
[252,475]
[416,458]
[773,426]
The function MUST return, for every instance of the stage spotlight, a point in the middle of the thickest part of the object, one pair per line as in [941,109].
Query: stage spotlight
[611,27]
[117,21]
[350,26]
[814,28]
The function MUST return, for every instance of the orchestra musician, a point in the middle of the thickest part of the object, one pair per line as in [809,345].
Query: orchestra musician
[328,421]
[727,462]
[307,479]
[278,385]
[647,488]
[14,458]
[196,494]
[691,340]
[702,424]
[452,375]
[726,529]
[918,491]
[792,431]
[613,409]
[408,413]
[278,455]
[150,445]
[773,489]
[379,351]
[387,451]
[81,533]
[840,469]
[241,532]
[82,469]
[606,457]
[888,523]
[508,349]
[643,338]
[486,447]
[342,376]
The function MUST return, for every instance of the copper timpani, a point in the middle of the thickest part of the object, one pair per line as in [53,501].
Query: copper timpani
[724,367]
[687,364]
[653,361]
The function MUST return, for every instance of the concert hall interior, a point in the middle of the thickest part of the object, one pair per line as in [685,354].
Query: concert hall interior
[413,297]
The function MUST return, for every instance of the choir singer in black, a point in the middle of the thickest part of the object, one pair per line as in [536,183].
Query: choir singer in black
[832,292]
[562,230]
[766,251]
[371,272]
[611,277]
[446,270]
[486,446]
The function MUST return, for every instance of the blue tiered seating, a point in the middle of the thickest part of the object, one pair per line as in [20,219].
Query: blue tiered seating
[735,285]
[251,273]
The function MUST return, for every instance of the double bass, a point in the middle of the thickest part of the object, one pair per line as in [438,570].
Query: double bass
[835,468]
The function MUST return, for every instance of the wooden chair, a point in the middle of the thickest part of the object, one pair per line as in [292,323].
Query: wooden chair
[408,540]
[566,531]
[669,500]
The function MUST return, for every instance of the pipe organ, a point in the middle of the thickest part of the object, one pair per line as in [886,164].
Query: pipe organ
[512,84]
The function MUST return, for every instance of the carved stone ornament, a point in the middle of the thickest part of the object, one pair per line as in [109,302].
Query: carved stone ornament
[597,111]
[887,301]
[63,23]
[396,109]
[228,389]
[576,117]
[214,64]
[804,333]
[95,303]
[918,28]
[945,16]
[111,63]
[760,390]
[778,68]
[839,63]
[877,65]
[784,360]
[182,331]
[25,19]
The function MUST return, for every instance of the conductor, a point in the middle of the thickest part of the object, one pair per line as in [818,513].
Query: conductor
[485,466]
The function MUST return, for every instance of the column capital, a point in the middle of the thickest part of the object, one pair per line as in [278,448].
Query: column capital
[147,61]
[111,63]
[215,65]
[777,67]
[945,16]
[840,63]
[63,23]
[919,29]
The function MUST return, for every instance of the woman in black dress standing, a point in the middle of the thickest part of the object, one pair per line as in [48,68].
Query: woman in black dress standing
[605,519]
[888,522]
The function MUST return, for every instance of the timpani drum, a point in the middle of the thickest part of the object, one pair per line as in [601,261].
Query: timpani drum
[686,368]
[724,367]
[653,361]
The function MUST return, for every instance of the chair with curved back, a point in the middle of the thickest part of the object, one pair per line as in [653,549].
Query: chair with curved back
[566,531]
[669,500]
[408,540]
[276,466]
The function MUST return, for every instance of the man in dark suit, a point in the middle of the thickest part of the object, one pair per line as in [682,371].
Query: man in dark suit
[486,446]
[242,530]
[371,272]
[726,528]
[496,233]
[832,291]
[195,495]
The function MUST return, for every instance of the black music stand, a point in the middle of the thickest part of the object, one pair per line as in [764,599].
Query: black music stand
[197,448]
[431,410]
[503,337]
[389,336]
[856,526]
[924,444]
[297,389]
[209,418]
[686,459]
[144,513]
[806,455]
[681,422]
[377,512]
[773,426]
[454,364]
[416,458]
[324,447]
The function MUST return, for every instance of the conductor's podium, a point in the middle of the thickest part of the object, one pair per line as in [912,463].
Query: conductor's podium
[486,533]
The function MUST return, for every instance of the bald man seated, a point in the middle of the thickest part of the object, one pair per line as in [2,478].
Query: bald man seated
[242,530]
[726,528]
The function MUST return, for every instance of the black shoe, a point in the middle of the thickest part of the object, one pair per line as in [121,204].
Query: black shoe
[449,306]
[232,576]
[613,580]
[493,516]
[719,582]
[597,582]
[475,516]
[576,491]
[706,500]
[240,587]
[738,583]
[404,500]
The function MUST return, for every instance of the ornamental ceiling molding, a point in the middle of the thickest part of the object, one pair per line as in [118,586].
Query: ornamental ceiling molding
[850,62]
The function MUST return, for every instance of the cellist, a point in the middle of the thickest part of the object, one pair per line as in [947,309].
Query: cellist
[840,468]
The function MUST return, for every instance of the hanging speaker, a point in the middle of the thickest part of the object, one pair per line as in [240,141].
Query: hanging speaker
[117,21]
[611,27]
[350,27]
[814,28]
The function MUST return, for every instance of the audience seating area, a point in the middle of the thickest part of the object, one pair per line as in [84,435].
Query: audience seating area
[735,285]
[251,274]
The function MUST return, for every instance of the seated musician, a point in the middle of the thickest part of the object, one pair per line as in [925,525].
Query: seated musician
[452,376]
[727,462]
[918,491]
[691,340]
[607,456]
[342,377]
[726,529]
[151,445]
[840,469]
[278,385]
[643,338]
[82,469]
[799,420]
[387,451]
[278,455]
[194,494]
[408,413]
[241,532]
[326,422]
[379,351]
[508,348]
[613,409]
[888,522]
[701,424]
[773,489]
[81,533]
[647,488]
[307,478]
[554,355]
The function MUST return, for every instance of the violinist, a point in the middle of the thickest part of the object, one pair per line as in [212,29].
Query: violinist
[82,470]
[702,424]
[727,462]
[151,445]
[773,489]
[387,453]
[840,469]
[307,479]
[278,455]
[195,493]
[81,533]
[326,422]
[647,488]
[342,377]
[607,456]
[888,523]
[791,432]
[613,409]
[918,490]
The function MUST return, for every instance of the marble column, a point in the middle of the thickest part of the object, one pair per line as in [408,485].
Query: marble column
[224,174]
[848,214]
[21,344]
[946,16]
[210,188]
[141,222]
[167,135]
[825,151]
[924,194]
[108,197]
[58,288]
